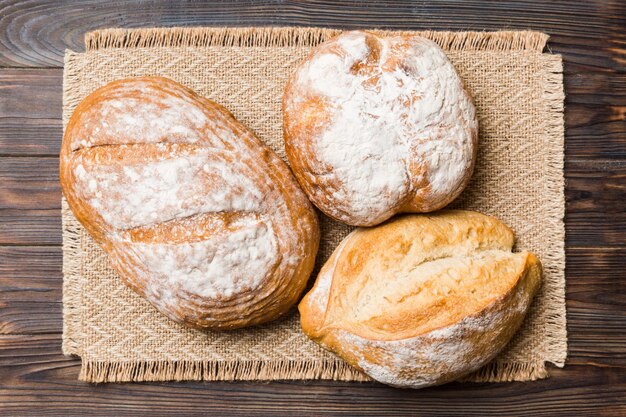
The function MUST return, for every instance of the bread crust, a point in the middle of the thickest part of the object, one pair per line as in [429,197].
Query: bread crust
[375,126]
[195,213]
[396,323]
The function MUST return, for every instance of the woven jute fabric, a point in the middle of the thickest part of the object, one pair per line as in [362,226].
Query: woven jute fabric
[518,93]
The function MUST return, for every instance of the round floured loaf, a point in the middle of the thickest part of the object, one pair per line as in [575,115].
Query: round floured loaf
[194,212]
[423,299]
[375,126]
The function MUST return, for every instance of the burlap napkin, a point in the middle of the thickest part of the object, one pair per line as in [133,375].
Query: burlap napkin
[519,178]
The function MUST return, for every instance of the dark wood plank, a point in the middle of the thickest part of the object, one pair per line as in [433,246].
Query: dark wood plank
[596,306]
[595,106]
[30,317]
[30,272]
[35,379]
[36,32]
[30,201]
[595,170]
[29,183]
[30,290]
[595,229]
[595,193]
[595,280]
[30,227]
[595,131]
[30,111]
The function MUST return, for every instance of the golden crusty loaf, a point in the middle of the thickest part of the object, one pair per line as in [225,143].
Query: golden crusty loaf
[194,212]
[375,126]
[423,299]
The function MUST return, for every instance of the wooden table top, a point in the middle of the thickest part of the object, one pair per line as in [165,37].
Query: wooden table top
[35,377]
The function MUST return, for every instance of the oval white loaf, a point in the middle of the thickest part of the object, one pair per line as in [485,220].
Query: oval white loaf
[194,212]
[423,299]
[375,126]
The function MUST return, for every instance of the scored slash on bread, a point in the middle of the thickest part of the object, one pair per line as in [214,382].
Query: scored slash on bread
[422,299]
[194,212]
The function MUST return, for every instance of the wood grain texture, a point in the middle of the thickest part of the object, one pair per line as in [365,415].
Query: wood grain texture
[32,364]
[30,289]
[30,273]
[595,193]
[36,32]
[30,111]
[30,227]
[29,183]
[35,379]
[596,306]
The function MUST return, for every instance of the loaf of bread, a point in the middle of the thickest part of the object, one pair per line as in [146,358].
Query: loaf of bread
[375,126]
[422,299]
[194,212]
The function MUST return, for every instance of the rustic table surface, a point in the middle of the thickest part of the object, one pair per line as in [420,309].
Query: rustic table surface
[36,379]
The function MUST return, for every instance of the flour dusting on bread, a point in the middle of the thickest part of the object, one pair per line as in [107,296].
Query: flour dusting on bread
[400,131]
[136,113]
[180,185]
[221,266]
[195,213]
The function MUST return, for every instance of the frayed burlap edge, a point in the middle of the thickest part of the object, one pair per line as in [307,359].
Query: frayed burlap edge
[257,370]
[554,134]
[300,36]
[217,371]
[72,274]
